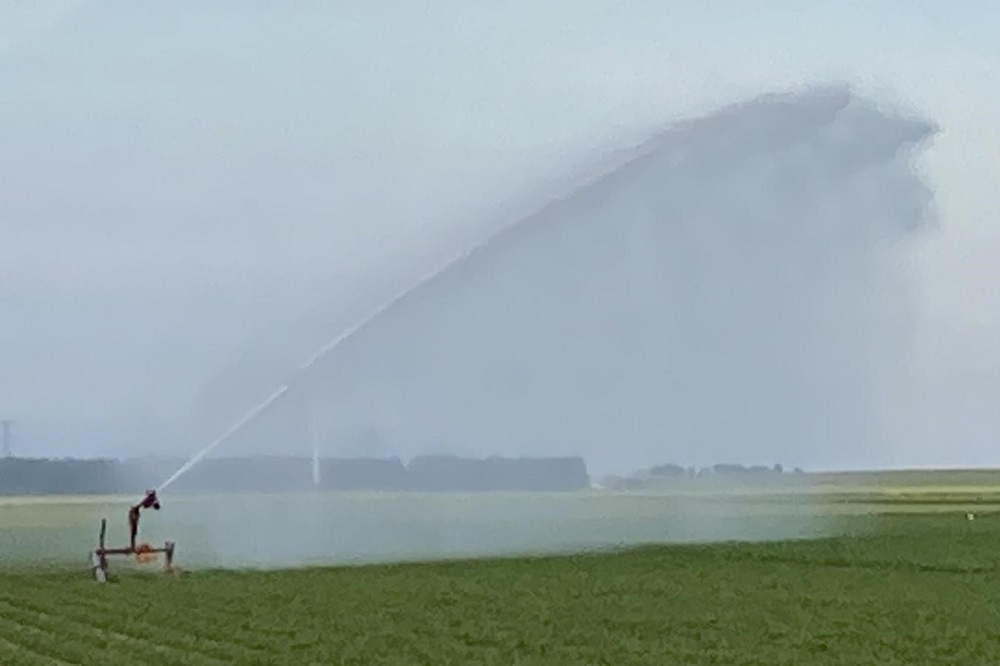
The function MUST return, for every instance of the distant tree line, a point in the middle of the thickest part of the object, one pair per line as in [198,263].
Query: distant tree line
[442,473]
[670,470]
[659,474]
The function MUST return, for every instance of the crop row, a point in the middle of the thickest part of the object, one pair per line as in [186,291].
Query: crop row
[912,589]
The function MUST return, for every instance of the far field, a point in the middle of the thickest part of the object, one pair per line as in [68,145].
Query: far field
[842,570]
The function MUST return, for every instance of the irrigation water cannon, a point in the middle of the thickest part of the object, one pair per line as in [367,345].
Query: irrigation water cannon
[143,552]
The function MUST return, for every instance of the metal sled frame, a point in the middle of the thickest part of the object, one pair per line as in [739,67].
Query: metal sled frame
[99,557]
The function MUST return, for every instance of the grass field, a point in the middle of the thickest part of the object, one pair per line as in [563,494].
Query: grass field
[866,572]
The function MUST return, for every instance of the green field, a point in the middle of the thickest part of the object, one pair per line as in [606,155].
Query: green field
[843,571]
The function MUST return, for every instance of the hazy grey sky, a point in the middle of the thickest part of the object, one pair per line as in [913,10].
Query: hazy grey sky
[177,178]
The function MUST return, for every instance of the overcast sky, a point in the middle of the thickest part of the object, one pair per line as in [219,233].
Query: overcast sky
[175,178]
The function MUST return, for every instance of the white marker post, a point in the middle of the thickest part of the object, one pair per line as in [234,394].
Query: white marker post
[315,447]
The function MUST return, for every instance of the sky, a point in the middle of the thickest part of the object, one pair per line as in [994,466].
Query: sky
[179,180]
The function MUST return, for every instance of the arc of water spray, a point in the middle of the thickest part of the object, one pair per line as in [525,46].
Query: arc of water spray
[233,429]
[636,152]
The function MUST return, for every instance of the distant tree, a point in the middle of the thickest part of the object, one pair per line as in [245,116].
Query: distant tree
[666,470]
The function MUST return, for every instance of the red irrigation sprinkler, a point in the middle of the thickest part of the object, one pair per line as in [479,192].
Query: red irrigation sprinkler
[142,552]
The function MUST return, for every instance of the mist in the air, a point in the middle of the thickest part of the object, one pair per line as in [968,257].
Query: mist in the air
[733,290]
[196,197]
[263,531]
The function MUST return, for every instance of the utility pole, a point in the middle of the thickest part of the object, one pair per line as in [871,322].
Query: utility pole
[5,437]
